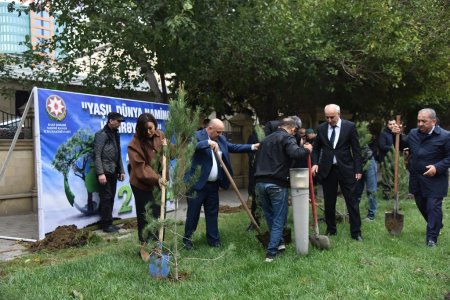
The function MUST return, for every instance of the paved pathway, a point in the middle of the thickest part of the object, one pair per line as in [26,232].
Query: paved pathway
[26,226]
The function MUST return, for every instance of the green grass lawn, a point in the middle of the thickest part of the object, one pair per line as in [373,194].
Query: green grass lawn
[381,267]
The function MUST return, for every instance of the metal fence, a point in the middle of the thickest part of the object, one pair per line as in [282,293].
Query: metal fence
[10,122]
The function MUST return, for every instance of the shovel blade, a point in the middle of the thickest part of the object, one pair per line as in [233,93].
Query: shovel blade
[321,242]
[393,221]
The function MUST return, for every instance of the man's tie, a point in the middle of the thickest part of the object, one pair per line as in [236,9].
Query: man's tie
[333,135]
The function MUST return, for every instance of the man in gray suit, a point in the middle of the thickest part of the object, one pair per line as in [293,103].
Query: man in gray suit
[337,160]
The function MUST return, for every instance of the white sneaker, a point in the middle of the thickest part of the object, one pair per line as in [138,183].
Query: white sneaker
[269,258]
[282,247]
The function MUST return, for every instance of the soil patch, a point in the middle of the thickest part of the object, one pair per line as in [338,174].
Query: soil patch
[181,276]
[62,237]
[225,209]
[447,297]
[132,224]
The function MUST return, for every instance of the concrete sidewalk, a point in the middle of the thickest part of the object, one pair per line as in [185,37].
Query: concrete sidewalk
[26,226]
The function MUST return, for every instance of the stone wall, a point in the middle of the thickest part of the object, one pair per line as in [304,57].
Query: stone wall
[239,161]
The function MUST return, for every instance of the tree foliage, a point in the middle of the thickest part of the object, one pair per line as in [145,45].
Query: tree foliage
[180,128]
[387,175]
[371,57]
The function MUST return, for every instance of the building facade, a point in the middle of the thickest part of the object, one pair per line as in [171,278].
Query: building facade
[14,28]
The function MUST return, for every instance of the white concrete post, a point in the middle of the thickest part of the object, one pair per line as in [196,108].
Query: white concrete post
[299,178]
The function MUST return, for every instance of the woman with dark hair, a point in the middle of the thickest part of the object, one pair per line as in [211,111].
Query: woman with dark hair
[142,149]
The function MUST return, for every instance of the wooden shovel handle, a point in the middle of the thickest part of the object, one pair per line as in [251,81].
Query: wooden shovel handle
[312,196]
[397,148]
[233,184]
[163,197]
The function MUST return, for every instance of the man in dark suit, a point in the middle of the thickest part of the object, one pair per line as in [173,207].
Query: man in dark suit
[429,149]
[337,160]
[206,189]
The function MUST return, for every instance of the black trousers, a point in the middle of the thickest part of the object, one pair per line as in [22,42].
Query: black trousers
[330,187]
[107,194]
[144,200]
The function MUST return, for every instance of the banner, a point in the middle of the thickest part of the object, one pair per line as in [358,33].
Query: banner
[65,125]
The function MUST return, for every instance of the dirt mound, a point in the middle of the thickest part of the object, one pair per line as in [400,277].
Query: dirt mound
[225,209]
[132,224]
[62,237]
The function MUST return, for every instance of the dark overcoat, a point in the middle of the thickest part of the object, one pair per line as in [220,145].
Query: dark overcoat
[429,149]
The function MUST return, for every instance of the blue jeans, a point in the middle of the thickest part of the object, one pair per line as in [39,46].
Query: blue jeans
[369,180]
[274,203]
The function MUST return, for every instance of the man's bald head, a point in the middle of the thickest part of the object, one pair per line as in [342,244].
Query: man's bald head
[332,114]
[214,129]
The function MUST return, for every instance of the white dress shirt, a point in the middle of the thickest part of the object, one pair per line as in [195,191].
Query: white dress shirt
[337,131]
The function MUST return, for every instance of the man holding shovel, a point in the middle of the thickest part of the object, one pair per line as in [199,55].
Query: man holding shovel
[210,142]
[273,161]
[429,148]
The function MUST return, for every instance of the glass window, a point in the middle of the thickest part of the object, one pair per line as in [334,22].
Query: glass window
[44,14]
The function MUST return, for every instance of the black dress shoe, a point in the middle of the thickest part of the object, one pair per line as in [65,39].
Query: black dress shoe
[110,229]
[357,238]
[431,244]
[188,245]
[216,244]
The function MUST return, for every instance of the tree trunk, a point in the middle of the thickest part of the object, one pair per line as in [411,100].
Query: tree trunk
[163,86]
[151,79]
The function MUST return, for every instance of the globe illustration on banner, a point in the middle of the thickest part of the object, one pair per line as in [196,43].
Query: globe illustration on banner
[87,202]
[74,160]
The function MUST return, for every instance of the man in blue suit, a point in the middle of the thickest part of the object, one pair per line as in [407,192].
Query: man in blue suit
[206,190]
[429,160]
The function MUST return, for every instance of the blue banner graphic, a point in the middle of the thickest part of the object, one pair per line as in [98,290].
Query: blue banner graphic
[65,127]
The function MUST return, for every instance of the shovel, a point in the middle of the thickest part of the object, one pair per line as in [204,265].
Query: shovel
[321,242]
[393,221]
[263,238]
[159,261]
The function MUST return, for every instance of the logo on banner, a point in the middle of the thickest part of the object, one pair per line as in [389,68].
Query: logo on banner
[56,107]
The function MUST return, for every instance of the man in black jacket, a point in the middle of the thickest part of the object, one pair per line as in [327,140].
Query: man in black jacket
[269,128]
[337,160]
[108,167]
[273,161]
